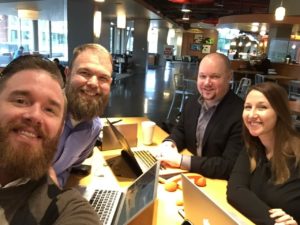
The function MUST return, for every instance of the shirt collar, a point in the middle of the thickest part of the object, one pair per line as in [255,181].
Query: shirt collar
[16,183]
[205,106]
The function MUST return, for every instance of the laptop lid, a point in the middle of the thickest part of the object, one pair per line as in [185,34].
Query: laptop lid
[123,141]
[139,195]
[126,152]
[110,141]
[200,209]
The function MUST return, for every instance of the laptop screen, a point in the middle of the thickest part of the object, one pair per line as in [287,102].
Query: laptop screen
[139,195]
[200,209]
[120,138]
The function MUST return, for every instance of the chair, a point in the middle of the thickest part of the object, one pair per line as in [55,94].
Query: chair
[243,87]
[259,78]
[272,71]
[294,90]
[183,88]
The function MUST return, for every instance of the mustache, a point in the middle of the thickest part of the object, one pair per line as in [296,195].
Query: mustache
[23,125]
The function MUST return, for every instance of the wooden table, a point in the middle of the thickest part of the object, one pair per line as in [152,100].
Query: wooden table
[165,210]
[295,107]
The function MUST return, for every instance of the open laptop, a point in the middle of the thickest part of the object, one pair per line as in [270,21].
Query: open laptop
[122,207]
[110,141]
[133,162]
[200,209]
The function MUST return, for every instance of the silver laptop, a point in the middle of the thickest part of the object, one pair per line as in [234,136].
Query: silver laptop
[110,141]
[200,209]
[133,162]
[116,207]
[126,164]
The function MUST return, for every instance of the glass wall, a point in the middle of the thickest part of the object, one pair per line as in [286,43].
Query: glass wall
[280,49]
[59,40]
[152,39]
[121,40]
[16,32]
[44,36]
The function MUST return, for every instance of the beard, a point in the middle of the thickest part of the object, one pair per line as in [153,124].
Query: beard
[84,109]
[23,160]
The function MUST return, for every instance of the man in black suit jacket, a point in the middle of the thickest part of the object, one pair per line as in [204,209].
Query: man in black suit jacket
[210,126]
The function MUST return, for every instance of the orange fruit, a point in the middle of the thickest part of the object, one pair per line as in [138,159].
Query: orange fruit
[201,182]
[171,186]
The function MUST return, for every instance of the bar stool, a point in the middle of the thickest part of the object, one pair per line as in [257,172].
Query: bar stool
[259,78]
[294,90]
[243,87]
[182,88]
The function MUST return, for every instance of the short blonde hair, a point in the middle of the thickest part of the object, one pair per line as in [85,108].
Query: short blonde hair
[99,49]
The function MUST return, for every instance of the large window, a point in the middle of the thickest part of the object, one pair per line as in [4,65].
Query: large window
[16,32]
[129,39]
[152,40]
[44,36]
[59,40]
[121,40]
[26,40]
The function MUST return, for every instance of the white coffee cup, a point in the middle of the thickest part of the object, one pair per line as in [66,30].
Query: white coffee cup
[148,130]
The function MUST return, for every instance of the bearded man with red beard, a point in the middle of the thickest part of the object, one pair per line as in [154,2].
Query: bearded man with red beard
[32,112]
[87,90]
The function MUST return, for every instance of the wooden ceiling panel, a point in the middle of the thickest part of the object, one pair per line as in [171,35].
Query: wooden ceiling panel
[206,11]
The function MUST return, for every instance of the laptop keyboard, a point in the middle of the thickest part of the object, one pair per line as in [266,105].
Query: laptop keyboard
[104,203]
[146,157]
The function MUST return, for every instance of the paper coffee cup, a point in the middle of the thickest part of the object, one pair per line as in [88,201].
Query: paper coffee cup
[147,131]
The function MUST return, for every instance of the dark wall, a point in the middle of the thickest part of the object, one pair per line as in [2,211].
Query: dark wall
[80,16]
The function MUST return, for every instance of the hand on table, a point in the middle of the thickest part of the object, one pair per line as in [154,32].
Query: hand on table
[168,154]
[281,217]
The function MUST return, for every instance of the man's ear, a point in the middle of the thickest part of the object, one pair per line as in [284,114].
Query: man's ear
[67,71]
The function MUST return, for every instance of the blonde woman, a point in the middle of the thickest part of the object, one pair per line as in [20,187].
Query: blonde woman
[265,182]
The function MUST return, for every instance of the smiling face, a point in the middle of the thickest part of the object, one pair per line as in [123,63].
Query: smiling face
[213,78]
[259,116]
[88,85]
[31,121]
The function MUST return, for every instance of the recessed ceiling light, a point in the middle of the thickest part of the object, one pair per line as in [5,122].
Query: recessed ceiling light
[186,16]
[185,8]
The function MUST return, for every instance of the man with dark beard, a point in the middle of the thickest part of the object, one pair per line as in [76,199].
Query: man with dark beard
[32,113]
[87,90]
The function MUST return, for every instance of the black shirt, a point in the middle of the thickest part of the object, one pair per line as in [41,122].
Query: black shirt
[253,194]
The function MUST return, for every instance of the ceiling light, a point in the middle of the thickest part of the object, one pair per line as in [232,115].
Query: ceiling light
[97,23]
[28,14]
[121,21]
[99,0]
[233,43]
[254,28]
[262,32]
[185,8]
[186,16]
[280,13]
[121,16]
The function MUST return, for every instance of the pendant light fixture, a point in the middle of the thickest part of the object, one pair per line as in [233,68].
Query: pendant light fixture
[280,13]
